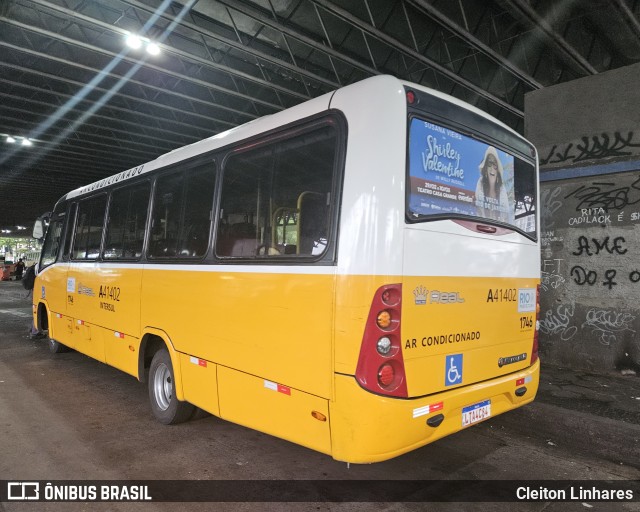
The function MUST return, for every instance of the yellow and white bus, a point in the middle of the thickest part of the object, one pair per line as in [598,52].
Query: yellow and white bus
[357,274]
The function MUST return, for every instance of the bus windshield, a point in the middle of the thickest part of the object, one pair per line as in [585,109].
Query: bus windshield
[452,174]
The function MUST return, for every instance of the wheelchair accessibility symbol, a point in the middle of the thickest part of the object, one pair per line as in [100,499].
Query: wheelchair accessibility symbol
[453,370]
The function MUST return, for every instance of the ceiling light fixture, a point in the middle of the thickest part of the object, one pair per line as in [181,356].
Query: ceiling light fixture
[133,41]
[17,139]
[153,48]
[136,42]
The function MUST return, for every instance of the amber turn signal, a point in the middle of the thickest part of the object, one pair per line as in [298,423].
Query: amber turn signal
[384,319]
[318,415]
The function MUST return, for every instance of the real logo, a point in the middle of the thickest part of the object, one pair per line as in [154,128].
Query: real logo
[420,294]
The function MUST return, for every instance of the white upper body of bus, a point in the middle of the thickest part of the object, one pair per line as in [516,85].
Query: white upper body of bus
[374,236]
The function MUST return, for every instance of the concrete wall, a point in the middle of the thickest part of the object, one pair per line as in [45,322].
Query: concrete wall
[588,137]
[590,121]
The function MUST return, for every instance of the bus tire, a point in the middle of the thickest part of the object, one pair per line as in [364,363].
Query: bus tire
[165,406]
[55,347]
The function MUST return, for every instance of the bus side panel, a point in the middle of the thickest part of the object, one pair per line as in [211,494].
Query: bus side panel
[120,351]
[60,326]
[104,301]
[107,294]
[89,339]
[275,409]
[50,289]
[200,383]
[255,319]
[370,428]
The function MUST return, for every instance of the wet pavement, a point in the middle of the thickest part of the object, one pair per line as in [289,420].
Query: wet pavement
[615,396]
[575,409]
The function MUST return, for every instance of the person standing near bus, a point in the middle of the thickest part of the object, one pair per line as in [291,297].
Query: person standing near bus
[492,200]
[19,269]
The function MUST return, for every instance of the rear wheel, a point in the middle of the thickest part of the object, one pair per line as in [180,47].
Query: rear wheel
[165,406]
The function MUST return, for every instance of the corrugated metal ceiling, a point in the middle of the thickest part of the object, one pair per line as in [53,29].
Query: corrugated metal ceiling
[93,107]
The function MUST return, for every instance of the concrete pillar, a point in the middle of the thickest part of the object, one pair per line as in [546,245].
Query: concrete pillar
[587,133]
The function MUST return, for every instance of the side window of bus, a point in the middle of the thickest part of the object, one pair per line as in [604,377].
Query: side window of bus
[276,198]
[89,228]
[51,244]
[126,222]
[182,204]
[69,231]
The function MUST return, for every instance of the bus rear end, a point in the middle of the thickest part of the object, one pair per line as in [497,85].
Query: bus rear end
[449,337]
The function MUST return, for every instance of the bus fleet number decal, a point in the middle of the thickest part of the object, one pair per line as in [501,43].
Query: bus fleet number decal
[526,323]
[502,295]
[109,293]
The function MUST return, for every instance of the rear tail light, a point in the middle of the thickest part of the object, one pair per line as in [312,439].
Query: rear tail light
[386,375]
[380,365]
[534,349]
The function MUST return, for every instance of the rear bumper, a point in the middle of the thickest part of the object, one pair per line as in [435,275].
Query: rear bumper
[371,428]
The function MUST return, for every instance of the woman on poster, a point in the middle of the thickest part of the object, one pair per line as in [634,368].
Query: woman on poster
[492,200]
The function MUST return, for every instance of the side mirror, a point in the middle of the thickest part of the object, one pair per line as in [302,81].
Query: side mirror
[40,226]
[38,230]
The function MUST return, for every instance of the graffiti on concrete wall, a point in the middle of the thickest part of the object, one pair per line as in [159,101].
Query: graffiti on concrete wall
[590,269]
[607,325]
[594,147]
[551,275]
[557,321]
[594,247]
[601,197]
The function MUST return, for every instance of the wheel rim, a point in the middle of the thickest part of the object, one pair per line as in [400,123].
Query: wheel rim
[163,386]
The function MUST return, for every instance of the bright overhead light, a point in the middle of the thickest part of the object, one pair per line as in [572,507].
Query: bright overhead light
[133,41]
[136,42]
[153,48]
[11,139]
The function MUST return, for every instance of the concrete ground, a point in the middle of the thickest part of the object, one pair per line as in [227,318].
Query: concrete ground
[68,417]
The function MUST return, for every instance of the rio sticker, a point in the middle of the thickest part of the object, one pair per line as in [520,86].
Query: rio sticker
[526,300]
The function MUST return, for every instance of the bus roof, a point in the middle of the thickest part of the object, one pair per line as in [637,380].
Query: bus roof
[238,133]
[265,124]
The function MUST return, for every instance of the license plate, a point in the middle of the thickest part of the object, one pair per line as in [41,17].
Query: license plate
[477,412]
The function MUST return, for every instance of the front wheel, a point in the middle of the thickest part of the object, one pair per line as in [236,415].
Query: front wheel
[165,406]
[55,347]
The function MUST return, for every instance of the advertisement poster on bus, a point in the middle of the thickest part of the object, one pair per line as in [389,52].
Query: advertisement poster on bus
[453,173]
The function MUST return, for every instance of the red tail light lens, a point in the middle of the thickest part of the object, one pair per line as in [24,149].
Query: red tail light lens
[411,97]
[386,375]
[380,364]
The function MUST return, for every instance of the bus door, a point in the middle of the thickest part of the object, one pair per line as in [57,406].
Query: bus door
[50,287]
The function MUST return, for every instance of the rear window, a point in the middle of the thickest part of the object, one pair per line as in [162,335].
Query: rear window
[454,175]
